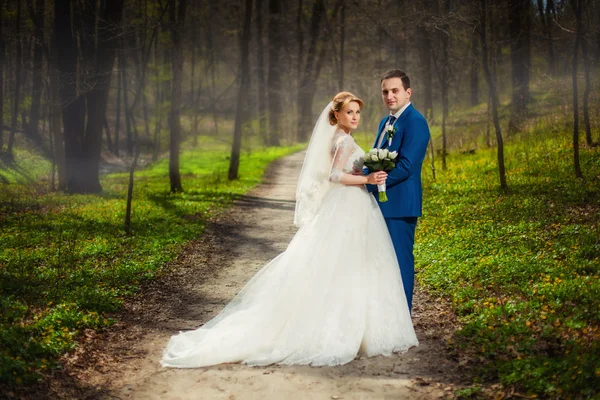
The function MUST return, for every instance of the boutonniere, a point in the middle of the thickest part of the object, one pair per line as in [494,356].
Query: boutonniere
[391,131]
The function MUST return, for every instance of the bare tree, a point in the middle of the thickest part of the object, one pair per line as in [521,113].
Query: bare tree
[240,114]
[212,61]
[400,43]
[547,11]
[177,19]
[274,79]
[1,76]
[84,111]
[37,16]
[442,66]
[491,83]
[587,67]
[342,6]
[474,73]
[310,67]
[18,81]
[425,54]
[577,6]
[129,138]
[519,22]
[260,74]
[54,112]
[117,146]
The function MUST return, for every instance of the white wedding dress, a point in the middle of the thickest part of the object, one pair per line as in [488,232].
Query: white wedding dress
[334,293]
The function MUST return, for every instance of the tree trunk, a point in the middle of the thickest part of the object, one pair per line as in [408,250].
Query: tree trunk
[488,117]
[244,39]
[274,79]
[157,104]
[109,143]
[520,57]
[342,42]
[192,84]
[545,10]
[123,69]
[474,74]
[18,77]
[83,139]
[73,105]
[310,73]
[577,6]
[587,66]
[37,83]
[299,39]
[140,70]
[444,33]
[427,77]
[55,110]
[177,17]
[492,93]
[260,73]
[432,159]
[118,106]
[400,42]
[130,193]
[598,36]
[97,96]
[210,47]
[146,117]
[1,77]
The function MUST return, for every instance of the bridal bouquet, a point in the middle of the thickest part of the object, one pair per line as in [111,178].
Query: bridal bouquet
[380,160]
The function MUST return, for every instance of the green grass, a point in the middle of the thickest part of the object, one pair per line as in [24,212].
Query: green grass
[65,260]
[30,168]
[522,268]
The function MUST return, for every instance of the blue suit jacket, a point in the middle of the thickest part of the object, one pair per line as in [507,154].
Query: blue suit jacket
[404,191]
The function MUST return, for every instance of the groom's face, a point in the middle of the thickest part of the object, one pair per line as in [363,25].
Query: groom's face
[393,94]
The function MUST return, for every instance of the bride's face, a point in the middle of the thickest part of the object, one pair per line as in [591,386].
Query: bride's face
[349,116]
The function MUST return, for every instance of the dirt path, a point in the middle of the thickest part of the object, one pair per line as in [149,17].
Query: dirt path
[124,362]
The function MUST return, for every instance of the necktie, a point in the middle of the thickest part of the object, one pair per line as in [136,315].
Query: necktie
[390,122]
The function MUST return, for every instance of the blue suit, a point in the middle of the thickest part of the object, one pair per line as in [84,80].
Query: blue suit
[403,187]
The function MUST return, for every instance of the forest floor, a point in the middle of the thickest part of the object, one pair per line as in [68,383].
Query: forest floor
[122,362]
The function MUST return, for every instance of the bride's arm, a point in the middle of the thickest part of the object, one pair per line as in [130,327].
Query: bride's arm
[343,151]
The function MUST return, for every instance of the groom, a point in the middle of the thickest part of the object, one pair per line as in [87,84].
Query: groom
[405,131]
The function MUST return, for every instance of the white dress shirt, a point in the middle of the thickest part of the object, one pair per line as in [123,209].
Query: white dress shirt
[396,115]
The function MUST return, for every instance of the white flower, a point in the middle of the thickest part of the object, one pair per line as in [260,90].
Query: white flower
[393,154]
[372,151]
[389,128]
[382,154]
[374,158]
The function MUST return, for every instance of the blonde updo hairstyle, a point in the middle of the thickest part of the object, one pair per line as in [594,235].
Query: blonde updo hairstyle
[339,102]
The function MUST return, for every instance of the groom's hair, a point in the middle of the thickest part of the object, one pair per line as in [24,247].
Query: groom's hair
[396,73]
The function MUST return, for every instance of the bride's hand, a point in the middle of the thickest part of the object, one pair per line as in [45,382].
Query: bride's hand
[357,171]
[377,178]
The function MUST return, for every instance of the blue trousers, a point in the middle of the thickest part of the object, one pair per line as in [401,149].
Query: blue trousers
[402,231]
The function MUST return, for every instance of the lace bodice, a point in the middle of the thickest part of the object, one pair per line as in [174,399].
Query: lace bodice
[345,154]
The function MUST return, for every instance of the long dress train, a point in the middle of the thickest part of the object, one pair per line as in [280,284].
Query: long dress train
[335,292]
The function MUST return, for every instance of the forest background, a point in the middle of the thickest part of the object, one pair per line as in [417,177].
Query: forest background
[127,124]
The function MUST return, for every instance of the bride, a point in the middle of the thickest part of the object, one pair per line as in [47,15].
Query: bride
[335,291]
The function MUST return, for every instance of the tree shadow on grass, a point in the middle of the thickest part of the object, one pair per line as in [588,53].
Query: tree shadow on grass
[7,163]
[168,202]
[525,202]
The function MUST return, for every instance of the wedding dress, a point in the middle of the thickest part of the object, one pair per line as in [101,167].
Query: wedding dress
[335,292]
